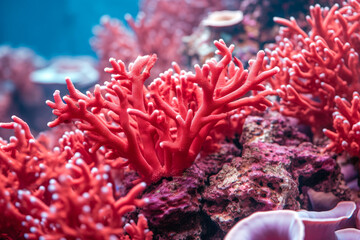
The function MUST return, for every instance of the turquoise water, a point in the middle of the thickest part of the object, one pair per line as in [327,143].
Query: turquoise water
[61,27]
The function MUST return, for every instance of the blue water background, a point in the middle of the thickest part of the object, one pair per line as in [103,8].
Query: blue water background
[57,27]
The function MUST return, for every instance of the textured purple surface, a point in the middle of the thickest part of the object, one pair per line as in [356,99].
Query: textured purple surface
[250,183]
[175,204]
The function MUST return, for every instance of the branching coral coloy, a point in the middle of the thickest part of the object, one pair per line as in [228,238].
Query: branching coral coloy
[317,66]
[346,123]
[160,129]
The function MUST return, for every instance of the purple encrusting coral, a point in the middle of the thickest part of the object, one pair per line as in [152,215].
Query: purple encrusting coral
[275,169]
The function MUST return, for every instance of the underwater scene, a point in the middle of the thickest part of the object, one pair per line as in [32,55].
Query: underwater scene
[180,119]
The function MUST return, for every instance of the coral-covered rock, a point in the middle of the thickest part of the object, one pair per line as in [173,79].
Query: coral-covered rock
[248,184]
[309,165]
[174,207]
[171,201]
[212,164]
[318,171]
[273,172]
[272,128]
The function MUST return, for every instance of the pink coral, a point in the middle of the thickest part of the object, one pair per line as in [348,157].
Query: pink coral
[16,65]
[18,94]
[112,39]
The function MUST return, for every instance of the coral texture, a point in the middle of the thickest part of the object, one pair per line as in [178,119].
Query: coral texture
[268,177]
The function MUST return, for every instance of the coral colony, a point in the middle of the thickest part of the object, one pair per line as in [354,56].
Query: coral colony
[224,149]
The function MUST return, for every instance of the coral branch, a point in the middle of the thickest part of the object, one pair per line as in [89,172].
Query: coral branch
[161,129]
[317,66]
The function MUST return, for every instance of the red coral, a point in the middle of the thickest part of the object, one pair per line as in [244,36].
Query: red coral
[317,66]
[346,122]
[83,206]
[25,165]
[139,230]
[51,194]
[160,129]
[27,159]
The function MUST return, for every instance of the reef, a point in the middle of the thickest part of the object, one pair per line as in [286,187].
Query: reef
[191,131]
